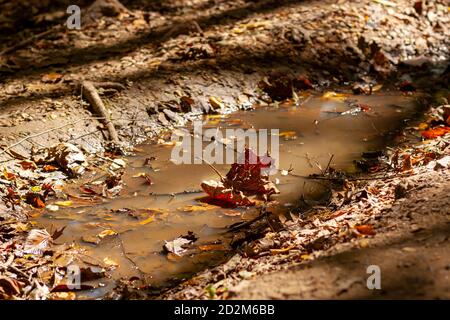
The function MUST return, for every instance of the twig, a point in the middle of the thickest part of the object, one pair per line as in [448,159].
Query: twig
[25,42]
[248,223]
[213,168]
[5,150]
[122,247]
[328,165]
[173,194]
[99,108]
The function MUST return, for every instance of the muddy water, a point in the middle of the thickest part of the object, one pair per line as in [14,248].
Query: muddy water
[146,216]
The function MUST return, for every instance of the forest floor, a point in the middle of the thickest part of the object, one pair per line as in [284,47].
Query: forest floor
[156,66]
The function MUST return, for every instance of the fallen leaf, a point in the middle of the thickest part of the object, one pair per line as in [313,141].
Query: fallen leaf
[146,221]
[8,175]
[288,135]
[216,103]
[435,132]
[9,287]
[67,156]
[51,77]
[106,233]
[334,96]
[49,168]
[110,263]
[178,245]
[26,165]
[365,230]
[35,199]
[283,250]
[192,208]
[144,175]
[38,240]
[67,203]
[213,247]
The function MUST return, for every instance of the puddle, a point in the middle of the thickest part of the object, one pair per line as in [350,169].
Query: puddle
[163,217]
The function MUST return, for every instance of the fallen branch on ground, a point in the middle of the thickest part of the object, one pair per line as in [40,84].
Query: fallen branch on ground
[89,90]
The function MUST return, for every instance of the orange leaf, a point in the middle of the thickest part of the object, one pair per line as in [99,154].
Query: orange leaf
[51,77]
[435,132]
[35,199]
[211,247]
[365,229]
[49,168]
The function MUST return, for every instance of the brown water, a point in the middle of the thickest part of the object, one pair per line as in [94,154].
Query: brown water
[346,137]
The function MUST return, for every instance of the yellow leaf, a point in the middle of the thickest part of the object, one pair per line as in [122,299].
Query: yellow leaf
[283,250]
[36,189]
[216,103]
[192,208]
[146,221]
[106,233]
[377,87]
[213,247]
[109,262]
[333,95]
[288,135]
[67,203]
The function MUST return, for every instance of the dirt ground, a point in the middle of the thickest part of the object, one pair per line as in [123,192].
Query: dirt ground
[173,60]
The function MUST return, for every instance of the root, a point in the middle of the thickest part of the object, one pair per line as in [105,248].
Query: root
[91,94]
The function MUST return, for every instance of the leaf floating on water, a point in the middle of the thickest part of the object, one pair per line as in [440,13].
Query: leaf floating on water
[244,179]
[58,233]
[110,263]
[144,175]
[178,245]
[334,96]
[288,135]
[67,203]
[193,208]
[106,233]
[213,247]
[217,191]
[146,221]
